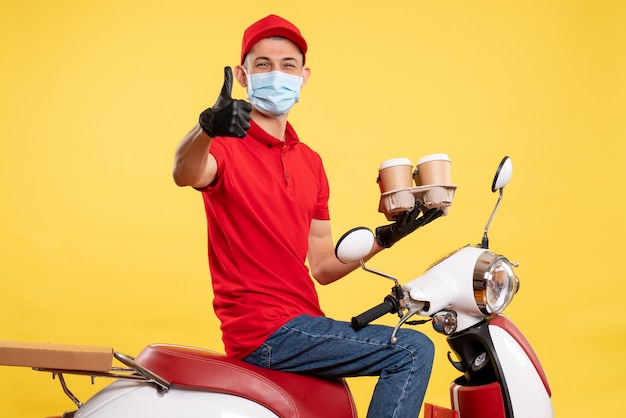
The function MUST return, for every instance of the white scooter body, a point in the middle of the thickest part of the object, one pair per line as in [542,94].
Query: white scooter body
[447,285]
[124,398]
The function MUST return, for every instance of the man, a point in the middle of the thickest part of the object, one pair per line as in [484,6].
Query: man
[266,202]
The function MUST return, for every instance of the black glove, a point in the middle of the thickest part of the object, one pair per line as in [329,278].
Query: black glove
[227,117]
[388,235]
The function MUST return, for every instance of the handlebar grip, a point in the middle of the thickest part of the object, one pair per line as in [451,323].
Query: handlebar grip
[389,305]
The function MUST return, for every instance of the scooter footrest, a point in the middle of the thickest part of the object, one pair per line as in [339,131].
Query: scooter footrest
[478,401]
[434,411]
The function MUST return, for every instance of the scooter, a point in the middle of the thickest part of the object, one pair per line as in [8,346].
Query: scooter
[463,295]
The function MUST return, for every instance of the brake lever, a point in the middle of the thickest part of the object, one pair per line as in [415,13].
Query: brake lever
[411,310]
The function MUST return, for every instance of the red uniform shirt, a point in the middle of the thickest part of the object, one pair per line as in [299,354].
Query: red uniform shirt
[259,212]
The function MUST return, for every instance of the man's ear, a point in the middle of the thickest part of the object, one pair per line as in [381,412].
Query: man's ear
[240,75]
[306,73]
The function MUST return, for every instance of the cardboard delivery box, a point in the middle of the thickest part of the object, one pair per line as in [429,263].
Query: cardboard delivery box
[56,356]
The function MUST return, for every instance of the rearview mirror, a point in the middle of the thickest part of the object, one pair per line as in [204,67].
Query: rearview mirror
[503,174]
[354,245]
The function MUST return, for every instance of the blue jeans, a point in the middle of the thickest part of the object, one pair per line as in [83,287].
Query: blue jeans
[325,347]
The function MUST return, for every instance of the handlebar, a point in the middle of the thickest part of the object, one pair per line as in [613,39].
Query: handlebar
[389,305]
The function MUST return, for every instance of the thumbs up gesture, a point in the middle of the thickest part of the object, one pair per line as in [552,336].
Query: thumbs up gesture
[227,117]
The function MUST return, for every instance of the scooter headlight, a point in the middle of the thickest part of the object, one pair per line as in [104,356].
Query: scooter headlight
[495,283]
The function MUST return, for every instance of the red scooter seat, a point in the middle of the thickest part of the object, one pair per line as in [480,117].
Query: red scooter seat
[288,395]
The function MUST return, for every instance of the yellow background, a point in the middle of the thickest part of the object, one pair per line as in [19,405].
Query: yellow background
[99,247]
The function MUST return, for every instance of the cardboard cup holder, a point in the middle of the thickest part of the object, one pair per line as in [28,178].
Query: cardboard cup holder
[428,185]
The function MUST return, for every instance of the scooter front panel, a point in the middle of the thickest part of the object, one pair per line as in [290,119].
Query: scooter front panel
[527,391]
[510,328]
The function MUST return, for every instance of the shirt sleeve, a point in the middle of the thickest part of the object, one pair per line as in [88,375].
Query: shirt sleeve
[219,152]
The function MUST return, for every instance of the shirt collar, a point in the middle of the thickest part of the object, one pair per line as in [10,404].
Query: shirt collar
[257,133]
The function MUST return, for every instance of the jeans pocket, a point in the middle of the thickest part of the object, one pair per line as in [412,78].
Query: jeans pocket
[262,356]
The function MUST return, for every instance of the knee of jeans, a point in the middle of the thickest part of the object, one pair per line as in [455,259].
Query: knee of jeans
[422,348]
[429,352]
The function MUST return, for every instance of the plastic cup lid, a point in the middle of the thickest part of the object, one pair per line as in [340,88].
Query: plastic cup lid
[433,157]
[395,161]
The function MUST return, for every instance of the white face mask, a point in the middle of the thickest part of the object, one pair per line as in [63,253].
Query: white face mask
[273,93]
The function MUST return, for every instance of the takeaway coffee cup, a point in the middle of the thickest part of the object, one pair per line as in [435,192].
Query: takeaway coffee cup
[395,174]
[434,170]
[395,179]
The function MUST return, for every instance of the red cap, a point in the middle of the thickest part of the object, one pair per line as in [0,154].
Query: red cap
[269,26]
